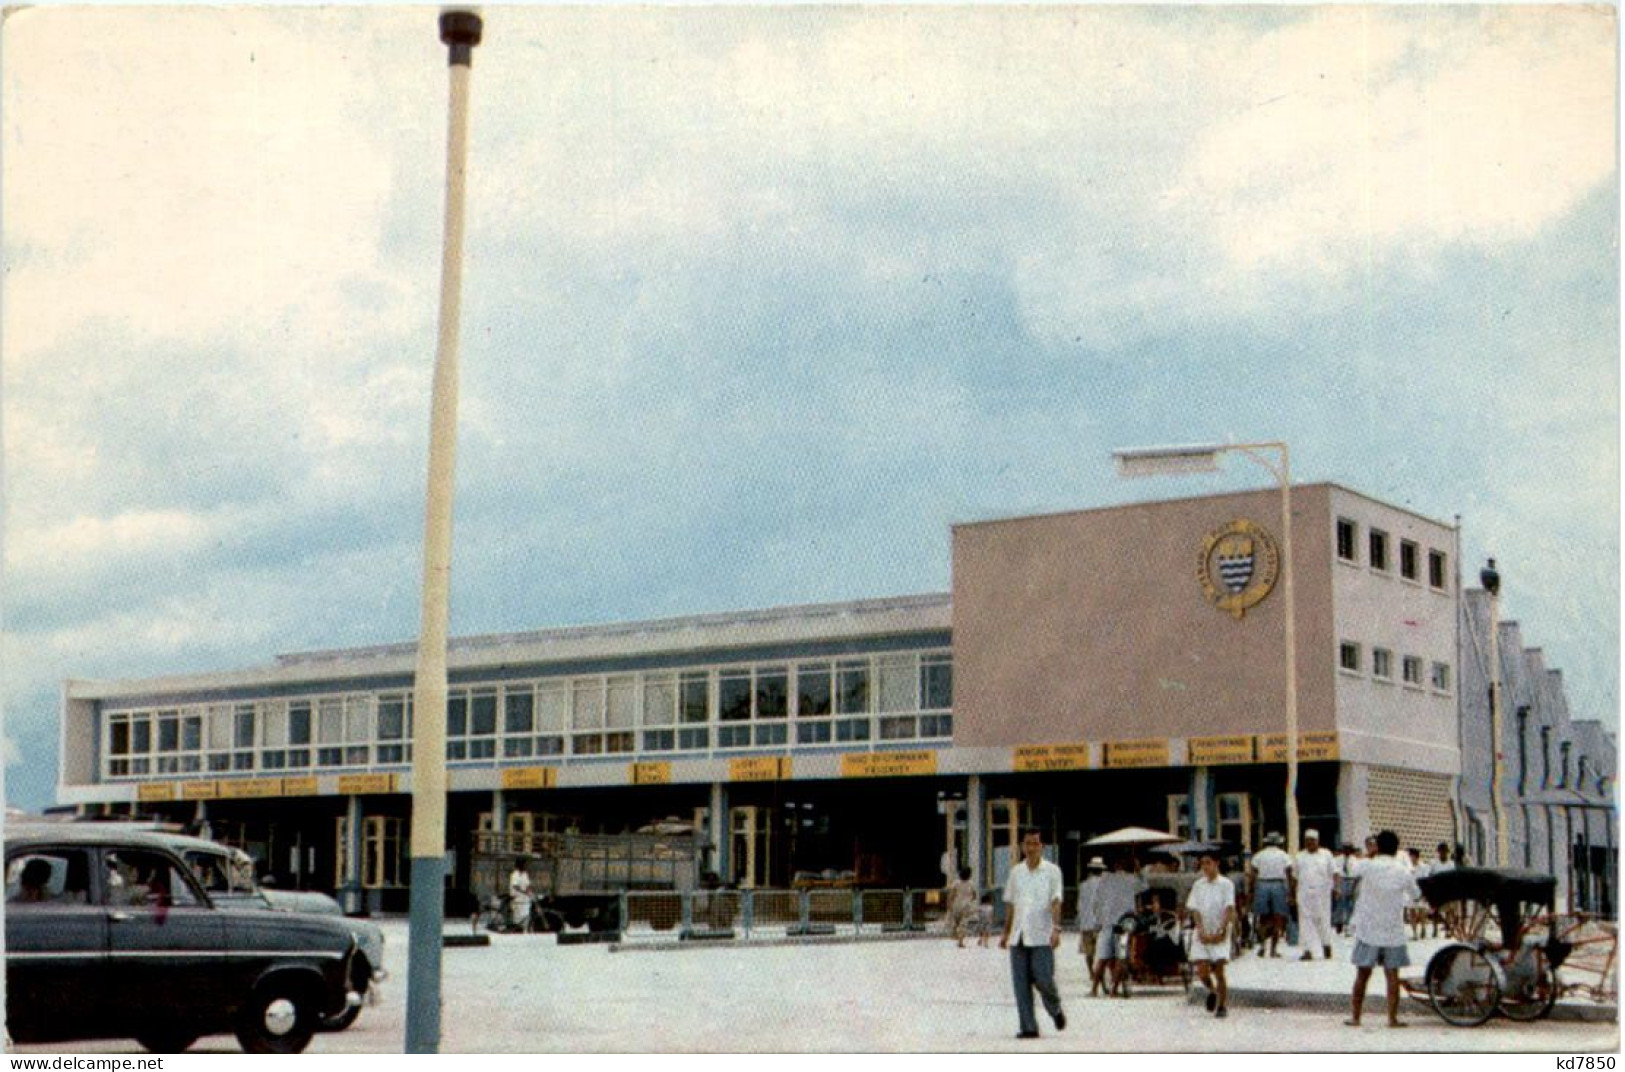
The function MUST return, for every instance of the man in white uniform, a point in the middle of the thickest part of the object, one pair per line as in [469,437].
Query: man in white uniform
[519,898]
[1211,908]
[1315,873]
[1088,923]
[1386,887]
[1268,871]
[1032,929]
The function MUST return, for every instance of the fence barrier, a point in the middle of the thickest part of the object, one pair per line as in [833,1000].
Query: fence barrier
[660,916]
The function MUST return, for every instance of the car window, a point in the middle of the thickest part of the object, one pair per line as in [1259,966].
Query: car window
[209,870]
[139,879]
[48,877]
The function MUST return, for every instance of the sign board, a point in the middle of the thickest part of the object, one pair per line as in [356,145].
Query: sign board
[888,764]
[359,784]
[1311,746]
[304,786]
[651,773]
[1212,751]
[155,791]
[244,788]
[530,777]
[759,769]
[201,790]
[1145,752]
[1051,757]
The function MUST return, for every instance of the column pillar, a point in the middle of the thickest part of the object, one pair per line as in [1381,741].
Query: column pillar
[350,889]
[1201,798]
[719,829]
[976,829]
[499,811]
[1353,812]
[200,819]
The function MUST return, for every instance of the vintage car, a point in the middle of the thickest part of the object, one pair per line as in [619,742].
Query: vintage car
[227,875]
[110,935]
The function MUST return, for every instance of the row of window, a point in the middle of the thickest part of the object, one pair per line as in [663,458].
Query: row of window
[851,700]
[1379,554]
[1351,658]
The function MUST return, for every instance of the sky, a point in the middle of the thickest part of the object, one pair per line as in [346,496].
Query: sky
[759,301]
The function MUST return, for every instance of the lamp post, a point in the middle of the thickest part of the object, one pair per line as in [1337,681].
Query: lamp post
[1491,580]
[1168,461]
[460,31]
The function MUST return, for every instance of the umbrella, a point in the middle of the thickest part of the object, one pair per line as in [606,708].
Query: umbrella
[1132,835]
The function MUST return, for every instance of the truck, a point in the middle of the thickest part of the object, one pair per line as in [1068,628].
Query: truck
[577,879]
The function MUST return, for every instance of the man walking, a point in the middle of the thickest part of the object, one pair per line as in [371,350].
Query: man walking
[1088,920]
[1386,887]
[1032,930]
[1211,908]
[1268,871]
[1315,870]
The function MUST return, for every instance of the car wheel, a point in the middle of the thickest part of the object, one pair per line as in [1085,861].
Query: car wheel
[279,1018]
[172,1040]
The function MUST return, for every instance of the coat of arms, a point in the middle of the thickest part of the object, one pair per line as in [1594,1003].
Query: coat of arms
[1238,566]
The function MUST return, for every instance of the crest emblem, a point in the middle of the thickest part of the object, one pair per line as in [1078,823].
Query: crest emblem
[1238,566]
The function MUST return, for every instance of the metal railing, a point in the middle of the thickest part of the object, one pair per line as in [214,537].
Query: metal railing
[766,914]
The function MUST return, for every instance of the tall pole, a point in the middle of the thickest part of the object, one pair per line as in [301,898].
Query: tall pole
[1491,580]
[1291,656]
[460,31]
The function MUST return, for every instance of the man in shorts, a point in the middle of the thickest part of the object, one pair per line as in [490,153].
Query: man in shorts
[1386,887]
[1088,922]
[1268,870]
[1211,909]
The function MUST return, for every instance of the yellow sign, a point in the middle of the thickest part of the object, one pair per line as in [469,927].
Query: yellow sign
[360,784]
[1237,566]
[1051,757]
[653,773]
[888,764]
[1311,746]
[530,777]
[1146,752]
[759,769]
[299,787]
[199,790]
[242,788]
[155,791]
[1209,751]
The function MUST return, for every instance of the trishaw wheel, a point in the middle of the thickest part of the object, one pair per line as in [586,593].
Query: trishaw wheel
[1462,985]
[1536,997]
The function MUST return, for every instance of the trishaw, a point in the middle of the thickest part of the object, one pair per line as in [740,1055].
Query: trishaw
[1157,939]
[1499,961]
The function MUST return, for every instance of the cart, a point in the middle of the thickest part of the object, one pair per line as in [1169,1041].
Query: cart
[1155,938]
[1501,960]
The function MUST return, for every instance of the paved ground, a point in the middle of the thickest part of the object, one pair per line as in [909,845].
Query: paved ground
[527,994]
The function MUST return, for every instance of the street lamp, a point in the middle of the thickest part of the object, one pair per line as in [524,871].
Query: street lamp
[1491,580]
[1204,458]
[460,31]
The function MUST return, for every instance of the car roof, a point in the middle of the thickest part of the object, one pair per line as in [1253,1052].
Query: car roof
[113,834]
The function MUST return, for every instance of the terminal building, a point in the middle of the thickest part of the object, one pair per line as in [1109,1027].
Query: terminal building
[1088,670]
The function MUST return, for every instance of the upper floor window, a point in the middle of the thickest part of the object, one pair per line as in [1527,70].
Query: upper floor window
[1348,656]
[1347,535]
[1441,677]
[1382,664]
[1436,569]
[1378,544]
[1412,670]
[1409,563]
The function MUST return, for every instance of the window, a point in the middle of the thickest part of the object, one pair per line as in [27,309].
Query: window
[137,879]
[1179,815]
[1436,568]
[773,692]
[1412,669]
[1523,750]
[1563,750]
[381,852]
[733,696]
[394,727]
[897,683]
[659,700]
[1441,677]
[1382,664]
[1545,756]
[1408,561]
[48,878]
[936,682]
[1378,550]
[853,693]
[1348,656]
[814,697]
[1347,534]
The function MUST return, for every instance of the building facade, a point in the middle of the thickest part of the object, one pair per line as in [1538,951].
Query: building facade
[1089,670]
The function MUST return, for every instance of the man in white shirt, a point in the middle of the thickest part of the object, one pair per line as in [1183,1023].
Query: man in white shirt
[1088,923]
[1032,929]
[1268,871]
[1211,908]
[1314,872]
[519,898]
[1386,887]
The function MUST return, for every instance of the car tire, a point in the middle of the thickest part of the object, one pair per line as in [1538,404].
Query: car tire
[280,1017]
[173,1040]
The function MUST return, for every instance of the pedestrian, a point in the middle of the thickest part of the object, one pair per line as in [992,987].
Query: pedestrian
[1417,911]
[1348,881]
[1448,913]
[1268,872]
[1379,926]
[1314,873]
[984,919]
[1117,897]
[962,905]
[1088,921]
[1032,929]
[1211,909]
[519,894]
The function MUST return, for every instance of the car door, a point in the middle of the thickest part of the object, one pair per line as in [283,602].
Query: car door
[166,943]
[56,943]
